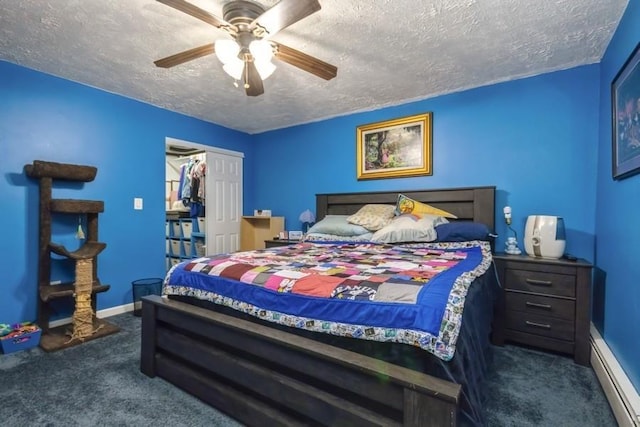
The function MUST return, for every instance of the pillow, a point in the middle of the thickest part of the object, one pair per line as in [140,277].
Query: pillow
[409,228]
[462,231]
[321,237]
[373,217]
[337,225]
[406,205]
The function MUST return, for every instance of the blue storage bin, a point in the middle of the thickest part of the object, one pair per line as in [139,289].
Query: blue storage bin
[18,341]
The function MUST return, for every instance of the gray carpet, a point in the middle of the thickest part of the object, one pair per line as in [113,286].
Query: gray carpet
[99,384]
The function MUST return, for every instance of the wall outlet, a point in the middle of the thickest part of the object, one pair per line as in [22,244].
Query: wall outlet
[137,203]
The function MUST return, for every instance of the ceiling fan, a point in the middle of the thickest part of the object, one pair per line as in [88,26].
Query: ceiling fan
[247,58]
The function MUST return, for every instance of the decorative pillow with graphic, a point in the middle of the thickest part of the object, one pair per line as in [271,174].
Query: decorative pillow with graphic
[406,205]
[373,216]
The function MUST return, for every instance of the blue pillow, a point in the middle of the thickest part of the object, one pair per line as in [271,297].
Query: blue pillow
[462,231]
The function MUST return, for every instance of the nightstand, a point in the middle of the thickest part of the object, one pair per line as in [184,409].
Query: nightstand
[546,304]
[279,242]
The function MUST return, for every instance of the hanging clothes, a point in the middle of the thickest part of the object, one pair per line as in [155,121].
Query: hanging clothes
[198,174]
[181,182]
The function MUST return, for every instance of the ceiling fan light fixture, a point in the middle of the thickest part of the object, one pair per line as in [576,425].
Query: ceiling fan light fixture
[247,58]
[227,51]
[265,68]
[234,69]
[261,50]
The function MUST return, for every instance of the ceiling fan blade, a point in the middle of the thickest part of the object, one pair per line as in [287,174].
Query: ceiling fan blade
[187,55]
[283,14]
[253,79]
[196,12]
[305,62]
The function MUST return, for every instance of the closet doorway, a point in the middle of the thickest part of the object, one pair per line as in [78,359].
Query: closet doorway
[219,220]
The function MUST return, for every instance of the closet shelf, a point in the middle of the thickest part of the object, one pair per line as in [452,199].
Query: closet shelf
[50,292]
[87,251]
[76,206]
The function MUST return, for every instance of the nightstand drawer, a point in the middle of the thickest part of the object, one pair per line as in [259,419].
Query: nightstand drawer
[540,325]
[540,282]
[540,305]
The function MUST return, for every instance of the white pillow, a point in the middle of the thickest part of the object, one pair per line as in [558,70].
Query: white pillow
[409,228]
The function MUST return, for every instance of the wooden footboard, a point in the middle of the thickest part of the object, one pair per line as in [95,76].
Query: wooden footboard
[263,376]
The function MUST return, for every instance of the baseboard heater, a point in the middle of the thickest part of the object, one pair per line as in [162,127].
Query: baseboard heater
[623,397]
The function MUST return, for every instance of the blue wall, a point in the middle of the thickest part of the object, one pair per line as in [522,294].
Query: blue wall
[617,217]
[539,140]
[47,118]
[535,139]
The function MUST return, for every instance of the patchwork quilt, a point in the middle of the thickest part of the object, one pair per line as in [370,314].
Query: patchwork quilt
[412,294]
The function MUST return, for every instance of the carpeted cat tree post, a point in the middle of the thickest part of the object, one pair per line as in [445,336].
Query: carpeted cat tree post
[85,287]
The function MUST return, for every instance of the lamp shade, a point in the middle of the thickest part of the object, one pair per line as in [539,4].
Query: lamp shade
[234,69]
[265,69]
[261,50]
[226,50]
[307,217]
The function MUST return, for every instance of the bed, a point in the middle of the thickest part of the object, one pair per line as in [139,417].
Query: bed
[266,373]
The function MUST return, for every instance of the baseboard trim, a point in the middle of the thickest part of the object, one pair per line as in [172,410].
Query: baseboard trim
[621,394]
[107,312]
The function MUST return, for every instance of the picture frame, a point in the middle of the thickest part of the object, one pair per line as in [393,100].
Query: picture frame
[295,235]
[283,235]
[625,104]
[396,148]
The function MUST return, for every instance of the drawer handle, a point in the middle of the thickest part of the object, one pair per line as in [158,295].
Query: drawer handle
[538,325]
[539,282]
[536,305]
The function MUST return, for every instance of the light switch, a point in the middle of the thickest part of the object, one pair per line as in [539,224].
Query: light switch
[137,203]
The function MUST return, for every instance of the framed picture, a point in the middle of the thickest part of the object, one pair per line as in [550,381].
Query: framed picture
[295,235]
[395,148]
[283,235]
[625,102]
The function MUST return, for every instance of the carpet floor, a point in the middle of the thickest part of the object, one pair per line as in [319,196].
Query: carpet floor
[99,383]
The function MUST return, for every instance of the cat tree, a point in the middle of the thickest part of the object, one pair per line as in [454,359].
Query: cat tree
[85,325]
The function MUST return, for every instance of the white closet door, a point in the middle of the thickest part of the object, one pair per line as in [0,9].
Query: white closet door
[223,202]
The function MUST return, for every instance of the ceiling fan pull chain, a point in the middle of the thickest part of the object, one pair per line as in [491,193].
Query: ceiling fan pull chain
[246,74]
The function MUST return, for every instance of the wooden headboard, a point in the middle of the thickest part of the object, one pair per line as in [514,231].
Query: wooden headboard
[468,204]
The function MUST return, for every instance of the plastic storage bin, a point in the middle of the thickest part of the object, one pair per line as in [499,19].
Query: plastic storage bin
[175,247]
[187,248]
[144,287]
[200,247]
[175,229]
[22,336]
[187,228]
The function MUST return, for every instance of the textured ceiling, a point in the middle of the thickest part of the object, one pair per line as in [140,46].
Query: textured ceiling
[387,52]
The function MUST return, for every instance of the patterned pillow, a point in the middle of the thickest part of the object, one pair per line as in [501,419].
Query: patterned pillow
[406,205]
[409,228]
[373,217]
